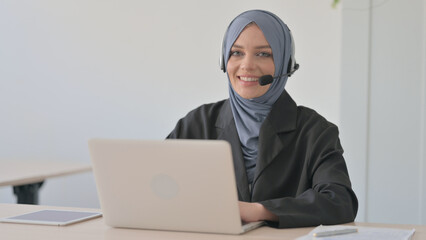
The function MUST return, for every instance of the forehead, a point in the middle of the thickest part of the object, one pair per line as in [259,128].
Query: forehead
[251,36]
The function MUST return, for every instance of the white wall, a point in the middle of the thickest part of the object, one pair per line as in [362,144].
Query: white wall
[383,107]
[72,70]
[355,95]
[423,149]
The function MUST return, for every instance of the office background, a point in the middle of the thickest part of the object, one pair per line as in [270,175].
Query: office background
[73,70]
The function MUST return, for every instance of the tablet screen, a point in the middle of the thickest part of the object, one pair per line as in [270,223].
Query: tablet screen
[52,217]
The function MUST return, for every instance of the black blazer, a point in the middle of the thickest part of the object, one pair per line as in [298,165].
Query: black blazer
[300,176]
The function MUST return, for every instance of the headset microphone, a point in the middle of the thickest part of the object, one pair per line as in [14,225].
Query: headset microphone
[268,79]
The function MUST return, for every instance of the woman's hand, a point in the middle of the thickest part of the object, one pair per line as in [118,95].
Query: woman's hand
[253,212]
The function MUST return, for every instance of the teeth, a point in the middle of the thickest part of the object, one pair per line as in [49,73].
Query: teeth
[249,79]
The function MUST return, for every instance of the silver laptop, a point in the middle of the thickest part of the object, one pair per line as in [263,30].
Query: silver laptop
[179,185]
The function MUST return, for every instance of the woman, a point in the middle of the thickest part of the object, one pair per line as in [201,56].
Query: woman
[288,159]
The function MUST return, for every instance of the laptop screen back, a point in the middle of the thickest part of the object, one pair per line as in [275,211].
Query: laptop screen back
[183,185]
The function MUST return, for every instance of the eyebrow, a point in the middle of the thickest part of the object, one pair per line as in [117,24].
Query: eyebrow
[257,47]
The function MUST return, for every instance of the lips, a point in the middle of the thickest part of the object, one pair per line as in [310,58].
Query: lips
[248,79]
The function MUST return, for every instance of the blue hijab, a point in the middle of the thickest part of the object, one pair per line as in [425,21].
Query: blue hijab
[249,114]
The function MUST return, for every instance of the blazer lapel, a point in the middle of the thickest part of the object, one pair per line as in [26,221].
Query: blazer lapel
[227,131]
[282,118]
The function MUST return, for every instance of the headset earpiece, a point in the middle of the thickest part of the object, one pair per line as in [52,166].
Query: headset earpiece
[292,64]
[222,56]
[222,63]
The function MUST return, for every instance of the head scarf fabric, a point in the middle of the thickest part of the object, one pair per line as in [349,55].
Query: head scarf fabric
[249,114]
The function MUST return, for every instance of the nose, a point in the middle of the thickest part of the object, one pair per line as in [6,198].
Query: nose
[248,63]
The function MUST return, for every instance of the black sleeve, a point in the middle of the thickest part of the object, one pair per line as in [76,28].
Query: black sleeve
[190,127]
[198,123]
[327,197]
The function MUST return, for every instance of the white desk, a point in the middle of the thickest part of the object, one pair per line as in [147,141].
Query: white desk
[26,177]
[96,229]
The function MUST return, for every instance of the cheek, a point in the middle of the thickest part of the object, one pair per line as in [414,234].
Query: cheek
[270,67]
[231,67]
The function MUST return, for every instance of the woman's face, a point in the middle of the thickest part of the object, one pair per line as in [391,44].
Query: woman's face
[250,58]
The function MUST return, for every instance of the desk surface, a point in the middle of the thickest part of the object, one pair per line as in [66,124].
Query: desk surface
[96,229]
[13,173]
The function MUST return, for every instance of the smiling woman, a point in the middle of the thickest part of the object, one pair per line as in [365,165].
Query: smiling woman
[288,160]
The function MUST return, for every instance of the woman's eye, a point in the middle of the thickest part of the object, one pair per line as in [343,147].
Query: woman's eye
[264,54]
[236,53]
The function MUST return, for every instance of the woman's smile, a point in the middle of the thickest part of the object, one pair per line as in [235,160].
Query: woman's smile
[248,79]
